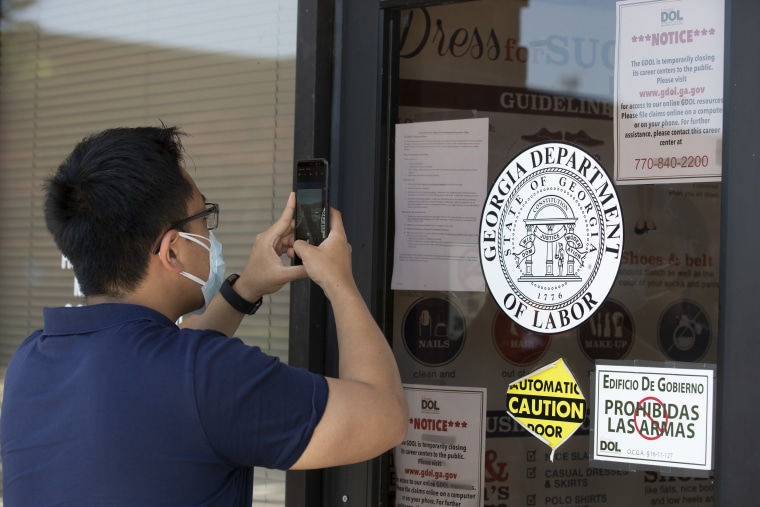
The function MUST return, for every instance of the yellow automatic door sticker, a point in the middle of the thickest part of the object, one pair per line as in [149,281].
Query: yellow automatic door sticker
[548,403]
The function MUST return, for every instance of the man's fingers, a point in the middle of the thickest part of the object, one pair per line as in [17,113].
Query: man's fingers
[295,272]
[284,225]
[300,247]
[290,206]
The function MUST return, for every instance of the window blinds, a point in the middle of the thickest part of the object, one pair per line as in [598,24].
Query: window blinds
[222,71]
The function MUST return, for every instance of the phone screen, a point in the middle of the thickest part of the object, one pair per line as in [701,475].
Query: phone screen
[312,200]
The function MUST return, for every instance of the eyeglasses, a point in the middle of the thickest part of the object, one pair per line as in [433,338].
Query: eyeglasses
[210,214]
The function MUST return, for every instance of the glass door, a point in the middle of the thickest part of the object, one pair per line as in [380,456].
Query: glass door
[538,72]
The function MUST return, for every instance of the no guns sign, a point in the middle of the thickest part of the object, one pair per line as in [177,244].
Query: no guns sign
[653,416]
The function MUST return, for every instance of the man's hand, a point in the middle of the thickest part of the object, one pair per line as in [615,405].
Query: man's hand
[329,264]
[265,272]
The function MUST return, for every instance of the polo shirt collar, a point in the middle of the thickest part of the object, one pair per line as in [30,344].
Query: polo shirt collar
[86,319]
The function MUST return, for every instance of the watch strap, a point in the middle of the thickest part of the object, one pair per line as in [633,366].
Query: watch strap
[235,300]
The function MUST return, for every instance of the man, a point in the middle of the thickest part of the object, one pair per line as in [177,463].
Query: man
[113,404]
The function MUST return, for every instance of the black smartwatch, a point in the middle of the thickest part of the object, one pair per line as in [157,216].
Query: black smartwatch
[234,299]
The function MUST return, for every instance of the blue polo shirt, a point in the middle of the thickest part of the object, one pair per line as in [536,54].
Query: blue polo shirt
[113,404]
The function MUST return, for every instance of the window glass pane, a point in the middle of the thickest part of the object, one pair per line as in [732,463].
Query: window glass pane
[543,71]
[223,71]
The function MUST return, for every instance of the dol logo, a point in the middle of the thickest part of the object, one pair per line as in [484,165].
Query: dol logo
[429,405]
[551,237]
[670,17]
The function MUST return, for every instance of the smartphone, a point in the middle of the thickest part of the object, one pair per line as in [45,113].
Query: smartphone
[312,201]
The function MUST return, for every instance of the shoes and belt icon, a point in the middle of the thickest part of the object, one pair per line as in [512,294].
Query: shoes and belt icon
[580,137]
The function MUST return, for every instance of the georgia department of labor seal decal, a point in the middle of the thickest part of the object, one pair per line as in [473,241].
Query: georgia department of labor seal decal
[551,237]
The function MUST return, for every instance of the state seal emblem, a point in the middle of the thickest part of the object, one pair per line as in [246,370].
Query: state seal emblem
[551,237]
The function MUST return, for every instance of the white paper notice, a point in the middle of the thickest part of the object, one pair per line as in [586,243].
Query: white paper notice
[441,175]
[654,416]
[669,91]
[442,460]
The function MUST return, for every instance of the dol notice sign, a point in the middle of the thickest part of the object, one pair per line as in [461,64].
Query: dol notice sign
[654,416]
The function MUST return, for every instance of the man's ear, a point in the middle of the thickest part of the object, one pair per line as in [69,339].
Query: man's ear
[168,252]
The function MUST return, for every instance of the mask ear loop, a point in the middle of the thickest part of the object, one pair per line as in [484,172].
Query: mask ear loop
[193,278]
[193,237]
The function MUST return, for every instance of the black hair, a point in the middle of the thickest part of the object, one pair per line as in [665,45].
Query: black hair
[111,199]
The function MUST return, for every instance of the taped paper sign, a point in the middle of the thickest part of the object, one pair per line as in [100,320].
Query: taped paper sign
[654,416]
[548,403]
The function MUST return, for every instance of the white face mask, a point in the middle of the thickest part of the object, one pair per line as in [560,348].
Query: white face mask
[216,267]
